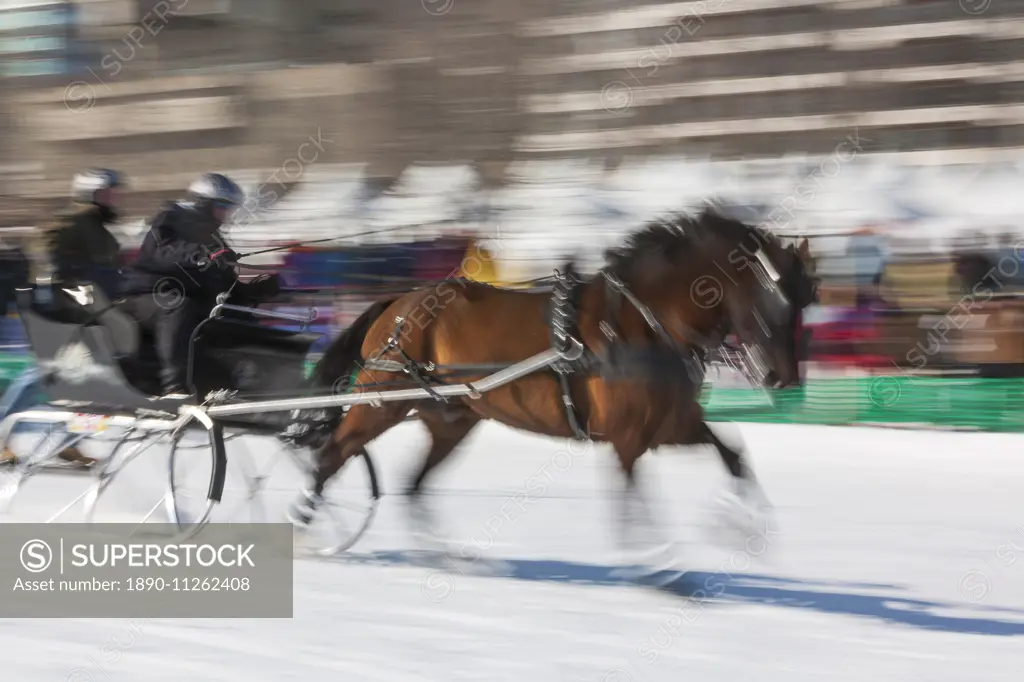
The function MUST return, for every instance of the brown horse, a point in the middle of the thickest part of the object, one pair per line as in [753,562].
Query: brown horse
[666,296]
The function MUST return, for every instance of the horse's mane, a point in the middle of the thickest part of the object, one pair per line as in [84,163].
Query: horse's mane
[673,237]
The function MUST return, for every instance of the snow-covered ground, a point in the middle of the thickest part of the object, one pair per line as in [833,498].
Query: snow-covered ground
[897,557]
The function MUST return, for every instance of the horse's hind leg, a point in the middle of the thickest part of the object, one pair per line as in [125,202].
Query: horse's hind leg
[448,427]
[361,425]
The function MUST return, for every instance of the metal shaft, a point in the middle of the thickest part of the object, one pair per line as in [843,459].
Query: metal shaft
[496,380]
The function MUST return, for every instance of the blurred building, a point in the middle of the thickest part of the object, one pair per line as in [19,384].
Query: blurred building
[39,39]
[763,78]
[167,88]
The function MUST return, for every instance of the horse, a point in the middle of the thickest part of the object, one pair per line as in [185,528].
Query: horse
[642,325]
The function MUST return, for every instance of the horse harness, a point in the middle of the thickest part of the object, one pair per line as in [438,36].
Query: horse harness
[620,356]
[620,361]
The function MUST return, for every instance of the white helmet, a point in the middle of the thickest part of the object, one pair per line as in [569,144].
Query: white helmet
[214,188]
[86,183]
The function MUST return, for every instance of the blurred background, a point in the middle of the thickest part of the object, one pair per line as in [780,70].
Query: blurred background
[888,133]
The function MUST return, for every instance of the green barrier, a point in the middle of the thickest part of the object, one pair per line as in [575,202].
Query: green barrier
[11,366]
[962,403]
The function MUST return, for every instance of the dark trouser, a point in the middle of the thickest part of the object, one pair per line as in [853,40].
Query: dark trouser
[170,327]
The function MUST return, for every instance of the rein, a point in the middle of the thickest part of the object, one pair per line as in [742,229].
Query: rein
[615,289]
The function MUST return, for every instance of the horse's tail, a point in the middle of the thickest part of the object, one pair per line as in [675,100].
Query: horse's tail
[341,357]
[334,370]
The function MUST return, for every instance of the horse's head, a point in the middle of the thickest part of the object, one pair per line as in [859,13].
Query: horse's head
[712,272]
[799,282]
[765,285]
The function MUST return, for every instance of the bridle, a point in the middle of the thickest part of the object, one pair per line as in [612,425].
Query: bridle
[749,359]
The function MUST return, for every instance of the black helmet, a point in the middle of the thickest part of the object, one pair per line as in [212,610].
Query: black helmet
[85,184]
[212,190]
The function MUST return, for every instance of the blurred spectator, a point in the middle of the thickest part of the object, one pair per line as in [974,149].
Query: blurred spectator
[866,255]
[851,337]
[441,258]
[478,263]
[14,269]
[1008,260]
[974,264]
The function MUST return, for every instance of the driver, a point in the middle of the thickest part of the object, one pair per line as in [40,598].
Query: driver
[182,266]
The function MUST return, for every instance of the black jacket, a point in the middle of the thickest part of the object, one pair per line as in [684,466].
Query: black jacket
[176,255]
[77,247]
[14,270]
[975,270]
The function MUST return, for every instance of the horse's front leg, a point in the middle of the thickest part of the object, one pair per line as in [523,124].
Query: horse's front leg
[746,504]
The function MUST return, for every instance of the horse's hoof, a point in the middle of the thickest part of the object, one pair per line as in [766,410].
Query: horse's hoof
[742,518]
[753,495]
[300,514]
[426,533]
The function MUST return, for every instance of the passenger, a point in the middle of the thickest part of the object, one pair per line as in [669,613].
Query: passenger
[75,246]
[182,266]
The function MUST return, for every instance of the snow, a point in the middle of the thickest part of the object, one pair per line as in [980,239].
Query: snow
[897,557]
[557,206]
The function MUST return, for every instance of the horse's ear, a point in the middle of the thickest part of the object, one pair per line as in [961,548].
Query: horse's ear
[804,249]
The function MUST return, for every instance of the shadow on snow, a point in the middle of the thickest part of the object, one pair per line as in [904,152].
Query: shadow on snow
[705,589]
